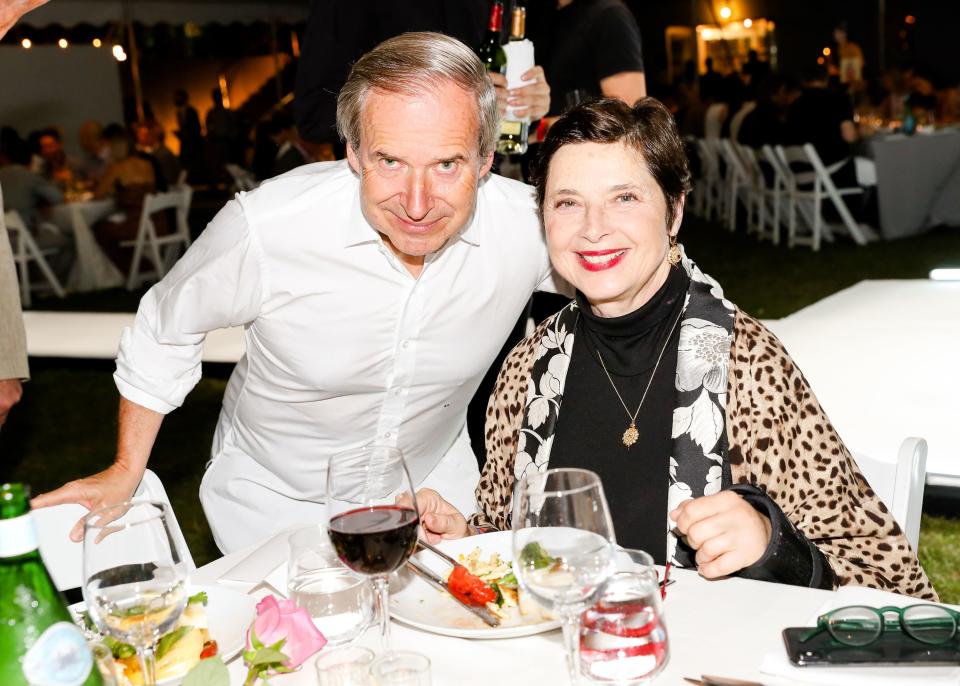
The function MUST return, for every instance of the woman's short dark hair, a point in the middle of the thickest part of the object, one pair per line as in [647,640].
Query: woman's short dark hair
[647,127]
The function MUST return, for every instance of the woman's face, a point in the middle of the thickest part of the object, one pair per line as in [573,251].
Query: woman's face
[605,219]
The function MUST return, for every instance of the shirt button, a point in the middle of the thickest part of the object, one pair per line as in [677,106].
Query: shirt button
[386,435]
[406,344]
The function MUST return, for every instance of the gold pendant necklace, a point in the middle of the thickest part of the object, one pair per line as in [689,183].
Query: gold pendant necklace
[632,435]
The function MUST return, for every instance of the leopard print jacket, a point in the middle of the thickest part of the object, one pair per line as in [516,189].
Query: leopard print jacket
[780,441]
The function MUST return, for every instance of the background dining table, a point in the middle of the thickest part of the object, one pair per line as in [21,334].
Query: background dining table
[92,269]
[726,628]
[918,180]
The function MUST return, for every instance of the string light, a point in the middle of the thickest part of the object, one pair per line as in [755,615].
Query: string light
[826,52]
[725,12]
[747,23]
[97,42]
[119,53]
[26,43]
[910,19]
[63,43]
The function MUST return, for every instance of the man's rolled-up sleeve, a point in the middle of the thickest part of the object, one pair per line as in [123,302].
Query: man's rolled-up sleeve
[220,282]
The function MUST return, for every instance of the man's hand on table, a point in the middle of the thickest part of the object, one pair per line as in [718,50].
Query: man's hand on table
[439,520]
[532,100]
[113,485]
[725,530]
[10,393]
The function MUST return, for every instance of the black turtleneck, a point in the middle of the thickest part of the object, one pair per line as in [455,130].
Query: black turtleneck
[592,419]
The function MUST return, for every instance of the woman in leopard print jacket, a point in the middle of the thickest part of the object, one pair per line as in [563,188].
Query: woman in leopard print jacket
[754,480]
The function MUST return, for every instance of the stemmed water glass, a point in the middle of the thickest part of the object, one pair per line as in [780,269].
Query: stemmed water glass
[135,575]
[563,546]
[373,518]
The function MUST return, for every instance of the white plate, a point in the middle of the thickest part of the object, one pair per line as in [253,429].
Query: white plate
[413,601]
[229,613]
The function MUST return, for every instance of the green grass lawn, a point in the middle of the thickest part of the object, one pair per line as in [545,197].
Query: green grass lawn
[65,426]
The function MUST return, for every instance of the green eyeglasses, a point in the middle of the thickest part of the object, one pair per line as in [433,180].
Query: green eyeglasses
[859,625]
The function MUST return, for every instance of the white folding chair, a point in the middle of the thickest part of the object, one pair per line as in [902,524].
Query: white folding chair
[242,179]
[64,558]
[162,251]
[764,220]
[739,184]
[713,197]
[25,250]
[900,484]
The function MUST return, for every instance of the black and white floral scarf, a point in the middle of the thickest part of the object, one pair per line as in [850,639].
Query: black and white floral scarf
[698,464]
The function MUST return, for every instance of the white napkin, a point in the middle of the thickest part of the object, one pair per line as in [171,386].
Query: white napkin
[262,562]
[778,664]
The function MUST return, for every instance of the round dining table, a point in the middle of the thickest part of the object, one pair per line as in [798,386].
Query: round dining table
[726,628]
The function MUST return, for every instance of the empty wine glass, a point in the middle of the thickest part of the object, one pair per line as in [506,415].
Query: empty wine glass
[135,575]
[373,518]
[563,546]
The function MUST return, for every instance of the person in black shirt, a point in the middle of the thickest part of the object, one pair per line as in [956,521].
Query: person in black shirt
[765,125]
[340,31]
[588,48]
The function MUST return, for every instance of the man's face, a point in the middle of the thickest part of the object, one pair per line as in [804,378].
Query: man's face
[419,165]
[49,147]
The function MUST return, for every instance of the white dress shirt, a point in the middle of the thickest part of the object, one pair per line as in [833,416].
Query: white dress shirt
[343,346]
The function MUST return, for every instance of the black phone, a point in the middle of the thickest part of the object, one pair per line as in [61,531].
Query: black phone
[891,648]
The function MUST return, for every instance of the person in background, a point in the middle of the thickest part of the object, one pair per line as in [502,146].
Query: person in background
[14,368]
[225,135]
[31,196]
[93,160]
[128,180]
[188,132]
[290,153]
[765,125]
[754,69]
[588,48]
[711,82]
[847,62]
[52,161]
[149,145]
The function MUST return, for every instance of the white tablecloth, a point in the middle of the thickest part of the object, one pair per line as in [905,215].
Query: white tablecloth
[92,270]
[723,628]
[882,359]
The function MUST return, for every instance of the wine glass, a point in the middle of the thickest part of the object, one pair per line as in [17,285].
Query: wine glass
[135,575]
[373,520]
[563,546]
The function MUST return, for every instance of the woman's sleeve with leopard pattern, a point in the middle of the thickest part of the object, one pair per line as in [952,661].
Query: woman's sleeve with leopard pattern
[781,441]
[504,414]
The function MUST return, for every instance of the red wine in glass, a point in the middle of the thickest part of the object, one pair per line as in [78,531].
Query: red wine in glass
[374,540]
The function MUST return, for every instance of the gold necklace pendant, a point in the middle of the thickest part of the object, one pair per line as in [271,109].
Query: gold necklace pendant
[631,435]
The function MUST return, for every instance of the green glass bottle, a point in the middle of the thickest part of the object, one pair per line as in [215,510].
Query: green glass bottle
[39,643]
[491,51]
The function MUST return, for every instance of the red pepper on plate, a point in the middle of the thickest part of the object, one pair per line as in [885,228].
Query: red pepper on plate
[469,588]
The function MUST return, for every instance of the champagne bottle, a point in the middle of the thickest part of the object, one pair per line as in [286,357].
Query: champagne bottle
[490,51]
[39,643]
[514,130]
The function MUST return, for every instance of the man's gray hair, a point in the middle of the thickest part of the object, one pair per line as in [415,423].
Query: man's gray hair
[412,64]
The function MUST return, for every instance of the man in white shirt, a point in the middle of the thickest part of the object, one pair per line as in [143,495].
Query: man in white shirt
[374,294]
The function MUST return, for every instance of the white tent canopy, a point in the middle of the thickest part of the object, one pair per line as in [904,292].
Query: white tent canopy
[97,12]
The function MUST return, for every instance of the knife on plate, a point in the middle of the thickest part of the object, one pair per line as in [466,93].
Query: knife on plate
[434,580]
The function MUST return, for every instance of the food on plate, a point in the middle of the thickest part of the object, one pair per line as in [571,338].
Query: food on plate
[177,651]
[496,574]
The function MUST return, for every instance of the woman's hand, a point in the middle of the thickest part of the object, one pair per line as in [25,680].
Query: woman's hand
[532,100]
[439,519]
[725,530]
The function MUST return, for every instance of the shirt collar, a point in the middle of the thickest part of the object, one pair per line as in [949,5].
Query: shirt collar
[358,230]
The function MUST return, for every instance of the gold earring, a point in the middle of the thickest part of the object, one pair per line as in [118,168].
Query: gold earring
[674,255]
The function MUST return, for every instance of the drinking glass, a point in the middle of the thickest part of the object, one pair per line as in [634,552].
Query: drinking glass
[563,546]
[401,668]
[623,638]
[373,518]
[339,602]
[135,575]
[344,666]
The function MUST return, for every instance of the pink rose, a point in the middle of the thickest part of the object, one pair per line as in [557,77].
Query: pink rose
[277,620]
